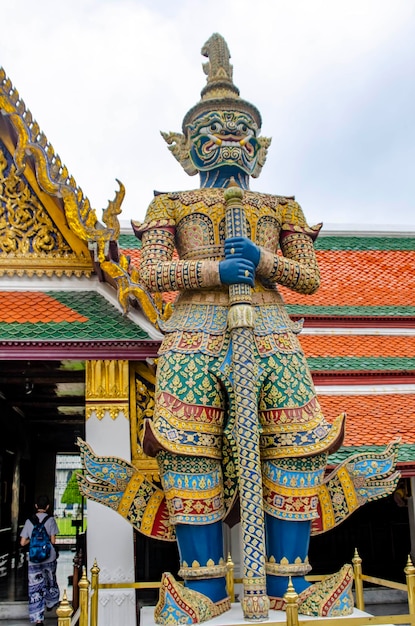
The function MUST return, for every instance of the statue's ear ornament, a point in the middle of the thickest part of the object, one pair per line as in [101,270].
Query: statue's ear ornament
[264,144]
[179,145]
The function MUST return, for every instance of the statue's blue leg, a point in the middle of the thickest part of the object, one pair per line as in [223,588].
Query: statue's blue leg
[203,544]
[286,541]
[194,494]
[290,487]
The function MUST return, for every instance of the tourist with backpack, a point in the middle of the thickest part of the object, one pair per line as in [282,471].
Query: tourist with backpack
[39,533]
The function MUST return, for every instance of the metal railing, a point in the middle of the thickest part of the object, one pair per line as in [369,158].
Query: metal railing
[87,613]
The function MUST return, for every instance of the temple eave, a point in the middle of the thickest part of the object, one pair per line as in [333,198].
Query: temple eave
[43,350]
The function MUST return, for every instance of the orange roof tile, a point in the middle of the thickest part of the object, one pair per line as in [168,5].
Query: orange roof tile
[358,345]
[373,419]
[134,254]
[32,306]
[367,277]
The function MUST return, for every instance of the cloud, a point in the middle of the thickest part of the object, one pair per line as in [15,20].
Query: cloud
[331,80]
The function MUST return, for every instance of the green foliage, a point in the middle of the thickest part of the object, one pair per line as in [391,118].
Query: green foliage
[72,495]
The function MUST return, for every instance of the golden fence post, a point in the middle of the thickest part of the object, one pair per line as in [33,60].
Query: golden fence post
[83,598]
[94,593]
[230,586]
[358,582]
[410,583]
[64,611]
[291,609]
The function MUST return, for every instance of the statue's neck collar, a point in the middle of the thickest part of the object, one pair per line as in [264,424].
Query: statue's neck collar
[221,178]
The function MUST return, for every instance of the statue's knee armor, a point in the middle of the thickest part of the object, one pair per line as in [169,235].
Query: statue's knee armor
[290,486]
[193,487]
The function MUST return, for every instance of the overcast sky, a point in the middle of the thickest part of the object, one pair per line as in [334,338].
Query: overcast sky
[333,79]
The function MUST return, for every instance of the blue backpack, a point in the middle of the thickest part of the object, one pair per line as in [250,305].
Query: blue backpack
[40,546]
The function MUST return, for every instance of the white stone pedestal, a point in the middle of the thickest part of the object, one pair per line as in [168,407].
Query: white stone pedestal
[234,617]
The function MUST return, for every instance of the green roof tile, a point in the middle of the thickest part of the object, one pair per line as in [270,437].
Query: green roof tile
[348,363]
[365,243]
[129,242]
[406,453]
[340,311]
[104,322]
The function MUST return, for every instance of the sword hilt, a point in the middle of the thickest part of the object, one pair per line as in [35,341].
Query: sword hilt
[240,295]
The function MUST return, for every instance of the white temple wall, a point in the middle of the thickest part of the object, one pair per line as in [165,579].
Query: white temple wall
[110,537]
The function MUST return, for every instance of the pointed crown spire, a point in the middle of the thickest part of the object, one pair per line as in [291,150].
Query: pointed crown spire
[219,91]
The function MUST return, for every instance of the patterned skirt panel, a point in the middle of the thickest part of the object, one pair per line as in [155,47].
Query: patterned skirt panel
[290,486]
[194,416]
[193,488]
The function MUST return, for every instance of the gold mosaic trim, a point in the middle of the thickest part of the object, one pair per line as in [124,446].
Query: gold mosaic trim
[285,568]
[114,410]
[210,570]
[129,494]
[348,488]
[326,506]
[149,515]
[254,585]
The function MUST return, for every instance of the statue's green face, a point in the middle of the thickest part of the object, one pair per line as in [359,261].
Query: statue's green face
[224,138]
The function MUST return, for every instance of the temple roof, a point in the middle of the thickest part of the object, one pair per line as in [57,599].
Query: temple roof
[48,226]
[368,280]
[373,421]
[50,232]
[361,277]
[78,324]
[375,355]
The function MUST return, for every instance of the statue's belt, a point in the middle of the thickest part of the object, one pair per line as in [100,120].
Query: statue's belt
[221,298]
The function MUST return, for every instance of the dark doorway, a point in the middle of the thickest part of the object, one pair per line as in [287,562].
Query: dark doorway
[380,532]
[42,412]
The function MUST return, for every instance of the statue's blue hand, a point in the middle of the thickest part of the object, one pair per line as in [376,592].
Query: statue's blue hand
[236,270]
[242,247]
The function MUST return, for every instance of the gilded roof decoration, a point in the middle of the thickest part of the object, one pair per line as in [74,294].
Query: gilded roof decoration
[34,182]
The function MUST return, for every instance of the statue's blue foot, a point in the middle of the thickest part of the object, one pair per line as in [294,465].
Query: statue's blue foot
[179,605]
[330,597]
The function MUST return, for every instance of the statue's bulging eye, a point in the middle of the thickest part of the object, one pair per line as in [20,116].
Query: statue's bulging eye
[214,127]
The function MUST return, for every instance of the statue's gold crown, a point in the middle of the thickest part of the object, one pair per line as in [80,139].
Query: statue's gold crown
[219,93]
